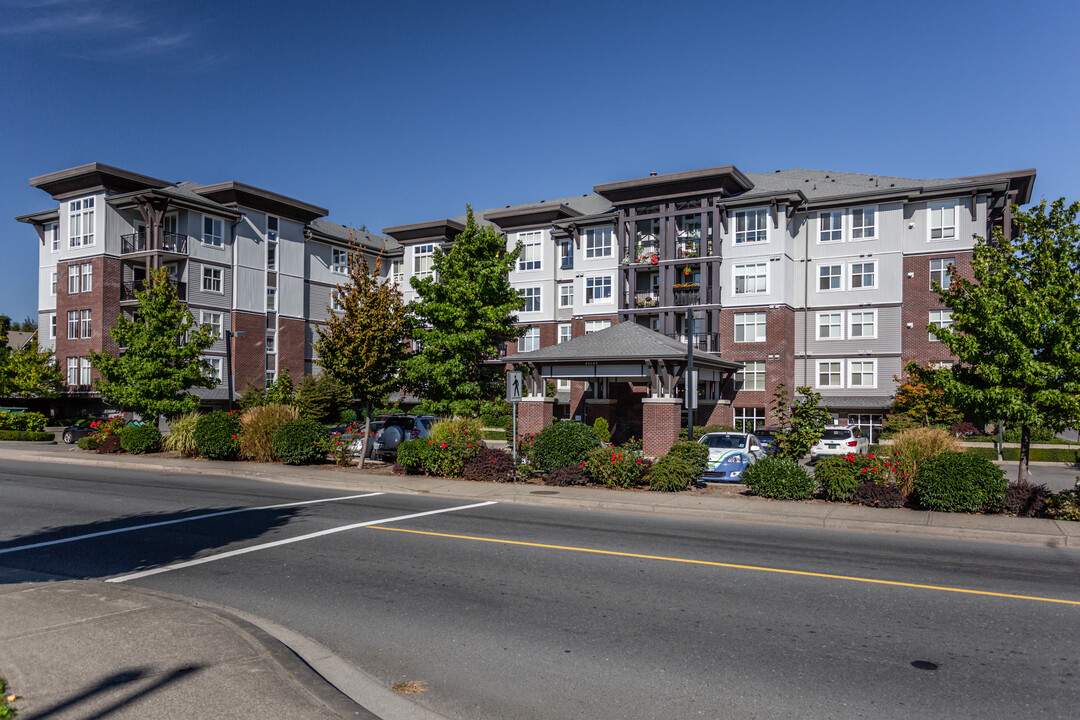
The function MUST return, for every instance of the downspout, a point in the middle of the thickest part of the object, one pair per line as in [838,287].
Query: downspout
[806,300]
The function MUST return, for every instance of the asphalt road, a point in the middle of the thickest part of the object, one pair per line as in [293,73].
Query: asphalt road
[524,612]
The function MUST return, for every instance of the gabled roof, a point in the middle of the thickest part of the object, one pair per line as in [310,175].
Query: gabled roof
[18,339]
[324,229]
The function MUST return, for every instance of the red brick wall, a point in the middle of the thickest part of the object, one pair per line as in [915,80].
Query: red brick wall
[535,415]
[779,341]
[249,352]
[290,347]
[661,422]
[919,300]
[103,302]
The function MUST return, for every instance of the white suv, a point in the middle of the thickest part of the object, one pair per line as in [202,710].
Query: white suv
[840,440]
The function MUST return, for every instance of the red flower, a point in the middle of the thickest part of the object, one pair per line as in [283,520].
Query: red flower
[429,442]
[443,445]
[871,456]
[470,444]
[233,437]
[862,470]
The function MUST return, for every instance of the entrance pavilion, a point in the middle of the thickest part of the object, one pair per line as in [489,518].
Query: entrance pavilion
[634,374]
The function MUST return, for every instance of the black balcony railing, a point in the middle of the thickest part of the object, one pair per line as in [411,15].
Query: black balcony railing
[174,243]
[138,242]
[127,289]
[687,297]
[707,342]
[133,243]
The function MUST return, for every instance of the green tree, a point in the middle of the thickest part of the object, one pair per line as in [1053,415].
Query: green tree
[363,346]
[1016,327]
[920,400]
[29,372]
[161,360]
[464,316]
[800,423]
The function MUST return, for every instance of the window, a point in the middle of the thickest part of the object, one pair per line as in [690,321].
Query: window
[863,225]
[863,275]
[422,260]
[73,325]
[87,277]
[73,371]
[271,255]
[73,279]
[566,295]
[751,226]
[52,291]
[566,255]
[942,221]
[749,419]
[272,227]
[830,326]
[335,302]
[750,327]
[52,230]
[751,377]
[598,242]
[751,279]
[565,332]
[84,321]
[829,373]
[213,320]
[531,296]
[84,371]
[340,261]
[212,231]
[862,324]
[941,319]
[598,290]
[271,299]
[52,326]
[862,373]
[939,272]
[81,222]
[530,340]
[211,279]
[530,251]
[396,273]
[216,367]
[868,424]
[831,277]
[592,326]
[271,343]
[832,226]
[270,375]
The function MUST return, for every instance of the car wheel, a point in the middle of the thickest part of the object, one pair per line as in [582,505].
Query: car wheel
[68,438]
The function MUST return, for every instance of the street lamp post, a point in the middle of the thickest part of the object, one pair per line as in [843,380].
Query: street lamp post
[229,335]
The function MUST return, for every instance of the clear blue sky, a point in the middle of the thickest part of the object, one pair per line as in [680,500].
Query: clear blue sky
[396,112]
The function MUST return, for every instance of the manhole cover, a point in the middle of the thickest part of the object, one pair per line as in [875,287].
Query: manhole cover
[923,665]
[544,492]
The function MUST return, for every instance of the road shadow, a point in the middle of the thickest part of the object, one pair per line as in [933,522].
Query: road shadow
[110,684]
[121,545]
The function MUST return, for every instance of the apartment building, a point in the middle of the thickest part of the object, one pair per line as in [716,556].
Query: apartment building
[804,277]
[257,266]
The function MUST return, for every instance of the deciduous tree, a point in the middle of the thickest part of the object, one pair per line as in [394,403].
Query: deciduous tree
[29,372]
[800,423]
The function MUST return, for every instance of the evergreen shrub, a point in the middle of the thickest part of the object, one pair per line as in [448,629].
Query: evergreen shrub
[217,435]
[960,482]
[779,478]
[140,439]
[614,466]
[562,444]
[90,442]
[301,442]
[453,444]
[695,453]
[671,473]
[26,421]
[413,457]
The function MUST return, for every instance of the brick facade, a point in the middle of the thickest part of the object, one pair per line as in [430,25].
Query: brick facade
[103,302]
[535,414]
[249,352]
[661,419]
[919,300]
[291,346]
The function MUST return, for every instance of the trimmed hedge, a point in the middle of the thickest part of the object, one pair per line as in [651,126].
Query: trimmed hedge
[838,478]
[563,444]
[779,478]
[90,442]
[301,442]
[413,457]
[671,473]
[26,435]
[140,439]
[694,453]
[960,482]
[217,435]
[27,421]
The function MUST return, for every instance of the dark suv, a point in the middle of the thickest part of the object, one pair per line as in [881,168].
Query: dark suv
[397,429]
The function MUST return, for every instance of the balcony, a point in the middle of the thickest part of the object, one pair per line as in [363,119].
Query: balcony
[706,342]
[127,290]
[646,300]
[567,263]
[138,242]
[687,294]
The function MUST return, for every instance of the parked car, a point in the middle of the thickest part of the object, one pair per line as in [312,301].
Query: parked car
[767,438]
[358,443]
[730,453]
[77,431]
[840,440]
[397,429]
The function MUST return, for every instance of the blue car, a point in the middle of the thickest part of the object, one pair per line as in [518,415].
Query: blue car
[730,453]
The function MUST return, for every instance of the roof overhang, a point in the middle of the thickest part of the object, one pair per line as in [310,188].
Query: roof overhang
[530,216]
[94,177]
[131,200]
[236,194]
[40,218]
[726,180]
[433,231]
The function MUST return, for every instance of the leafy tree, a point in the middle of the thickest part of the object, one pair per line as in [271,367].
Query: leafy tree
[162,357]
[363,346]
[278,392]
[1016,327]
[321,398]
[29,372]
[920,400]
[800,423]
[464,316]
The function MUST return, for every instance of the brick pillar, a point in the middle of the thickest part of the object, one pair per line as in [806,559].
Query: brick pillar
[661,420]
[600,409]
[535,414]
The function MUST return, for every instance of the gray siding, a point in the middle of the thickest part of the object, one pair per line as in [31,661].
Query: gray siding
[201,298]
[888,338]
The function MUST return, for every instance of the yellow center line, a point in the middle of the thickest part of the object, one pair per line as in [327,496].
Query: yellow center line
[735,566]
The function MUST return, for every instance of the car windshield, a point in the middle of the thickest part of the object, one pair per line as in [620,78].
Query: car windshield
[836,435]
[405,422]
[724,442]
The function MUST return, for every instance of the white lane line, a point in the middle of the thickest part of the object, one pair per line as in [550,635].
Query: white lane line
[286,541]
[132,528]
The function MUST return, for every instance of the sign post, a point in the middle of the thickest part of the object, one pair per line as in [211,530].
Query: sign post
[513,396]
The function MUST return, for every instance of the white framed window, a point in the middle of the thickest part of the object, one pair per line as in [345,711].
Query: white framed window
[271,299]
[211,279]
[52,326]
[217,366]
[598,290]
[396,272]
[335,302]
[592,326]
[213,231]
[830,326]
[85,323]
[423,261]
[271,255]
[73,371]
[749,419]
[531,300]
[273,225]
[52,291]
[270,376]
[271,342]
[566,295]
[939,272]
[831,277]
[530,256]
[565,332]
[862,373]
[751,226]
[942,223]
[941,319]
[598,242]
[751,377]
[751,279]
[73,279]
[84,371]
[750,327]
[830,226]
[566,255]
[52,231]
[830,373]
[530,340]
[862,324]
[863,275]
[213,320]
[73,325]
[864,223]
[81,222]
[87,277]
[339,262]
